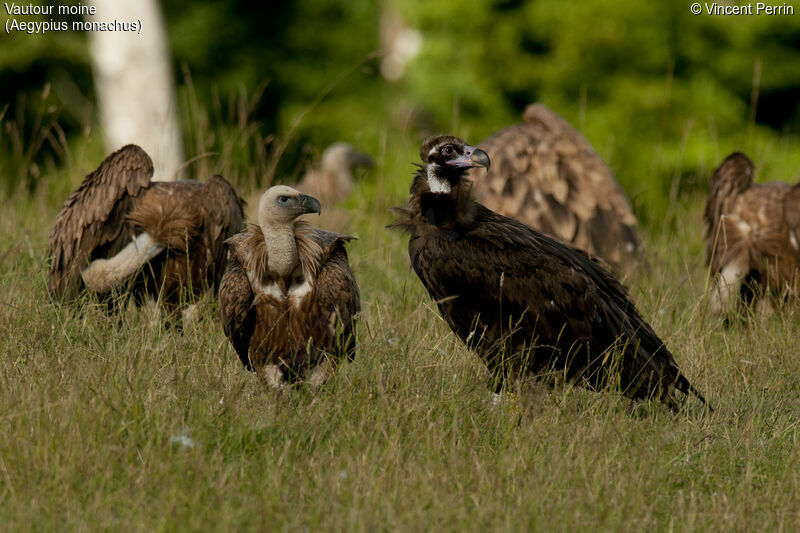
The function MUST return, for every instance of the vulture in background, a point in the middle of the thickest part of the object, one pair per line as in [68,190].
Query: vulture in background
[120,230]
[752,236]
[546,175]
[288,299]
[525,301]
[333,181]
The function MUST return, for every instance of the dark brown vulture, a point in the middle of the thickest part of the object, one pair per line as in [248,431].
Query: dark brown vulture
[333,181]
[752,235]
[288,299]
[546,175]
[524,301]
[121,230]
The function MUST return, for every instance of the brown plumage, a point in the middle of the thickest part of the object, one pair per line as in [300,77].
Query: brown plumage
[332,182]
[546,175]
[288,299]
[752,235]
[120,230]
[524,301]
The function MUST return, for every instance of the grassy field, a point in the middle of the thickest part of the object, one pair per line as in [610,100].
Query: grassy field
[108,423]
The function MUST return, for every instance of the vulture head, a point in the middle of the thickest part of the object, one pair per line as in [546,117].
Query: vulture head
[341,157]
[281,205]
[447,159]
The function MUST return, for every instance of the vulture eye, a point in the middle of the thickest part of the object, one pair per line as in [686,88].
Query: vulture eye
[283,199]
[448,150]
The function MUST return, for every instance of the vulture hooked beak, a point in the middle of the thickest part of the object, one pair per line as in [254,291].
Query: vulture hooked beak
[358,159]
[310,204]
[473,157]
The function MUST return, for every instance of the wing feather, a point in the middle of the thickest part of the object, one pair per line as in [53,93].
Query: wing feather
[516,285]
[224,215]
[547,175]
[235,303]
[733,177]
[338,297]
[94,216]
[791,214]
[170,212]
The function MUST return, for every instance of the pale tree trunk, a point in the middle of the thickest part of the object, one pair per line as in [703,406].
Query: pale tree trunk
[399,42]
[134,85]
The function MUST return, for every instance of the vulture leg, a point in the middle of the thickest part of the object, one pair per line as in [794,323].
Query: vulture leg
[729,285]
[102,275]
[320,373]
[272,376]
[190,315]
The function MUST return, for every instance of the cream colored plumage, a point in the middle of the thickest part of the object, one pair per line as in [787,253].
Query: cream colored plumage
[288,299]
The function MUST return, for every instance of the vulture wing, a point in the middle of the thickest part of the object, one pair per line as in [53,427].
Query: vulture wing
[337,292]
[546,174]
[516,289]
[327,315]
[724,239]
[224,216]
[92,221]
[791,213]
[235,303]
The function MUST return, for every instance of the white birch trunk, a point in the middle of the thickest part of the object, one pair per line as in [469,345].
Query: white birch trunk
[134,85]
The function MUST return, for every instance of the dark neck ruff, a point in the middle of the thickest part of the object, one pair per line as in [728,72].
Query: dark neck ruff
[451,211]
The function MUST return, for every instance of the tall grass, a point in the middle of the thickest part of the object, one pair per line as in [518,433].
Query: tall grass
[226,139]
[30,138]
[125,423]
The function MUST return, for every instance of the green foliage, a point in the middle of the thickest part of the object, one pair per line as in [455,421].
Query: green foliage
[45,102]
[302,50]
[662,94]
[97,412]
[404,437]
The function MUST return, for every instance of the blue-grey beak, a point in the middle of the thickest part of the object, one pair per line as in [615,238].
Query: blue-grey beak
[472,157]
[310,204]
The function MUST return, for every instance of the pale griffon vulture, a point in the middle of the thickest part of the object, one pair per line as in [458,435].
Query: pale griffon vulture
[288,299]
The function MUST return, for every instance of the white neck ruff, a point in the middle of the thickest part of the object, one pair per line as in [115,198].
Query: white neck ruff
[435,183]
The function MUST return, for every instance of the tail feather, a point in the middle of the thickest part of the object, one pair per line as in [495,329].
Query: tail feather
[683,385]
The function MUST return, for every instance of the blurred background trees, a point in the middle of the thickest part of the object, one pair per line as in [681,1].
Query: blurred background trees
[662,94]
